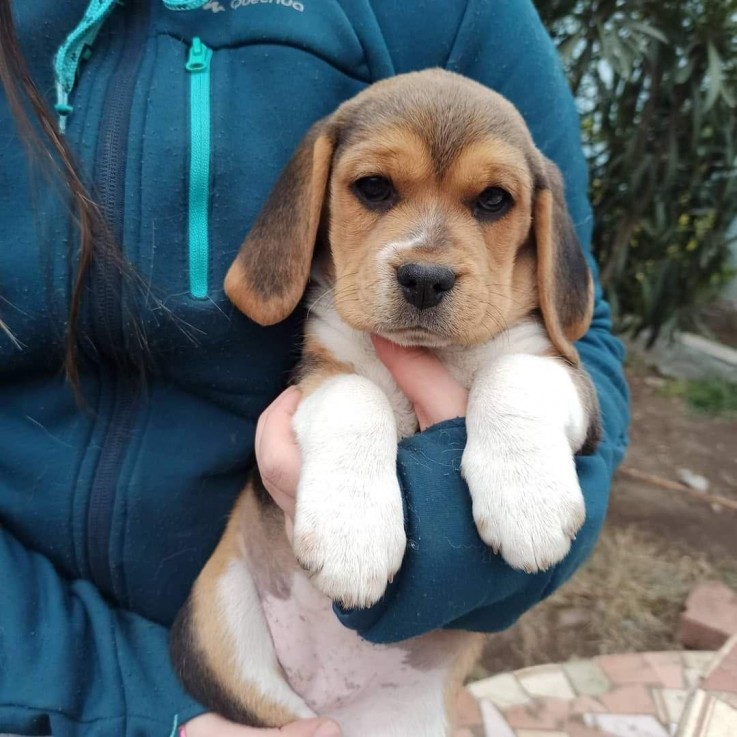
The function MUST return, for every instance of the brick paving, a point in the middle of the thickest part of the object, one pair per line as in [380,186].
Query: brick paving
[710,616]
[671,694]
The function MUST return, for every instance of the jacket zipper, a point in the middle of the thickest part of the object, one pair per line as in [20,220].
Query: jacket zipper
[106,288]
[198,66]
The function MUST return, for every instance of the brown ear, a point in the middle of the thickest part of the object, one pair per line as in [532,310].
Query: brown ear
[270,273]
[565,286]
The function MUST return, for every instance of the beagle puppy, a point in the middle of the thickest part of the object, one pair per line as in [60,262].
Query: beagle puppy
[423,213]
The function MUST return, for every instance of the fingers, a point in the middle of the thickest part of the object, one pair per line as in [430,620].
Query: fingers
[308,728]
[434,393]
[277,453]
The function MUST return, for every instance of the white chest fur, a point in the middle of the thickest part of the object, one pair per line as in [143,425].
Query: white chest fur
[354,348]
[525,420]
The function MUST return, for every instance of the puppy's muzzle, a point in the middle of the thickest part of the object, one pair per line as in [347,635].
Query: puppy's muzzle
[425,285]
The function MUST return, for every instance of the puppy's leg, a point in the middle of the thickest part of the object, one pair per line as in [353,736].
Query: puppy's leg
[349,524]
[221,645]
[527,416]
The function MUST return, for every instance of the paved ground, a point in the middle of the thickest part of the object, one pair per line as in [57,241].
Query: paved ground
[670,694]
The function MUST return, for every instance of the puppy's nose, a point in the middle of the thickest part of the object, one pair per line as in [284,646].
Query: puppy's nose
[424,285]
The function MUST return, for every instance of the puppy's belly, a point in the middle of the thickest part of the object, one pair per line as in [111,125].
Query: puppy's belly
[338,673]
[371,690]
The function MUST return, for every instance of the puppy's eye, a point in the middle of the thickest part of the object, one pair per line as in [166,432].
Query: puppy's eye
[492,202]
[375,192]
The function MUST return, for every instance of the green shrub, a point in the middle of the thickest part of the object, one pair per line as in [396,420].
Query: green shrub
[656,84]
[708,396]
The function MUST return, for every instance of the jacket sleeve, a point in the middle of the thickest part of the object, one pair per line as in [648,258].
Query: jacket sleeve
[71,665]
[449,578]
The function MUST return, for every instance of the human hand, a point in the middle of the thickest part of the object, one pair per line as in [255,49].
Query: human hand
[212,725]
[435,395]
[277,454]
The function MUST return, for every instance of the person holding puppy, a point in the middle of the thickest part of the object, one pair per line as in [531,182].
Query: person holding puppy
[158,128]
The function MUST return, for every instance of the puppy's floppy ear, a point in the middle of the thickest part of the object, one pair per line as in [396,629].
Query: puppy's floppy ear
[565,286]
[270,273]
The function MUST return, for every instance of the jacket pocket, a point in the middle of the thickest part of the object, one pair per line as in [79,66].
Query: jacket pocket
[198,67]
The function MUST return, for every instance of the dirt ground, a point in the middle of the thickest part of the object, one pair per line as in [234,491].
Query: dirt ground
[655,546]
[720,319]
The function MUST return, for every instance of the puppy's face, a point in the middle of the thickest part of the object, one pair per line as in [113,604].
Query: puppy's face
[428,237]
[444,223]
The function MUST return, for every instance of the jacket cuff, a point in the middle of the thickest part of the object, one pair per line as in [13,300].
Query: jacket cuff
[449,577]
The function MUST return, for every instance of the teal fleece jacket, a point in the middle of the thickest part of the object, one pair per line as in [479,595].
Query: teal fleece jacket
[108,513]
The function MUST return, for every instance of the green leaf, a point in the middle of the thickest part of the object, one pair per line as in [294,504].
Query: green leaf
[715,76]
[648,30]
[683,73]
[645,181]
[728,96]
[568,46]
[620,55]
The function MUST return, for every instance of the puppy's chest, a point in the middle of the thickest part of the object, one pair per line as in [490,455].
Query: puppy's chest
[355,349]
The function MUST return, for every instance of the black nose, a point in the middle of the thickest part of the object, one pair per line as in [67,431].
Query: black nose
[424,285]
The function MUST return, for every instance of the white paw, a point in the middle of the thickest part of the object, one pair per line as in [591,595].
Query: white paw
[527,502]
[349,534]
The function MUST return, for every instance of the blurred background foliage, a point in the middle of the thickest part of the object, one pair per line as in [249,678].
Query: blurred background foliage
[656,85]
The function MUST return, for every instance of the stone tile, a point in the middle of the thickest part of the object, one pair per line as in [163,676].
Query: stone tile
[586,705]
[661,709]
[495,725]
[504,691]
[668,667]
[580,730]
[470,732]
[723,722]
[628,669]
[722,674]
[629,700]
[707,716]
[467,712]
[710,617]
[627,725]
[727,698]
[670,703]
[549,714]
[517,716]
[693,677]
[721,679]
[699,660]
[692,713]
[547,681]
[587,678]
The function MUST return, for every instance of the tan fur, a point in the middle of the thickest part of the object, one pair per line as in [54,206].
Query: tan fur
[495,294]
[255,536]
[441,140]
[268,278]
[208,626]
[318,365]
[566,302]
[546,265]
[468,655]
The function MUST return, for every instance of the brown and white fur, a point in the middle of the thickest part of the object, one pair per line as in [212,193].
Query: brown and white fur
[257,640]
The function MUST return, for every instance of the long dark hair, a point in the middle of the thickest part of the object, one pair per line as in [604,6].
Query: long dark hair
[48,148]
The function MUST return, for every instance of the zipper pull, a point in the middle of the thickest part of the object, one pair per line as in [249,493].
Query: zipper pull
[199,56]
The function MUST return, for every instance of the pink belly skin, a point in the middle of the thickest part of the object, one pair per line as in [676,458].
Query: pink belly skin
[370,689]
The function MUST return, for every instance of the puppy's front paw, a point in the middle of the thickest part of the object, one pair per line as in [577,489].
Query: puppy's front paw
[349,534]
[527,502]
